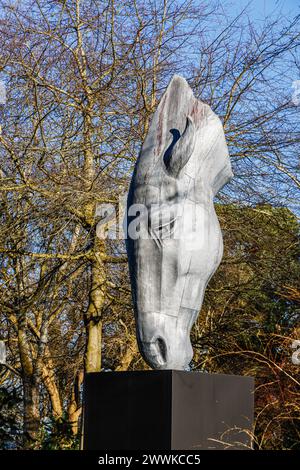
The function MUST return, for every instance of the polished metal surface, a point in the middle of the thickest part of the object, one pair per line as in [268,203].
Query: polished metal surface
[174,241]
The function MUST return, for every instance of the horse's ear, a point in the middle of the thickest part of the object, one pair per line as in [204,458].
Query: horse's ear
[179,153]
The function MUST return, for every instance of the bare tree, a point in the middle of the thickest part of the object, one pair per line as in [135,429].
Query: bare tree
[83,79]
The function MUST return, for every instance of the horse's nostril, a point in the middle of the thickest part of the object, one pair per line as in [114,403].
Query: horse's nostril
[161,348]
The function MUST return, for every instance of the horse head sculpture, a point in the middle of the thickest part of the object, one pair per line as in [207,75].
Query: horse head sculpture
[174,242]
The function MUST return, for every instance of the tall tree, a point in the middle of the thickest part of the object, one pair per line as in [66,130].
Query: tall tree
[83,79]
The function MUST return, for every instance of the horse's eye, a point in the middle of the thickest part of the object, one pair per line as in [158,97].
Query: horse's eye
[164,230]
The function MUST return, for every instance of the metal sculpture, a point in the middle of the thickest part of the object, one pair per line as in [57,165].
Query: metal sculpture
[174,241]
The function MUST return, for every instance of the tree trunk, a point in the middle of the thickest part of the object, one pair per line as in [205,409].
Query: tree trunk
[49,382]
[127,358]
[94,314]
[74,409]
[31,423]
[31,415]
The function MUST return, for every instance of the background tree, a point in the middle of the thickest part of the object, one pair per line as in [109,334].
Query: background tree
[251,316]
[83,79]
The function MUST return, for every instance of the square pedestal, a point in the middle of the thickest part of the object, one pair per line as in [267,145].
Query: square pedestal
[167,410]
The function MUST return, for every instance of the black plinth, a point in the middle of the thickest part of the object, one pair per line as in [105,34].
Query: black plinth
[165,410]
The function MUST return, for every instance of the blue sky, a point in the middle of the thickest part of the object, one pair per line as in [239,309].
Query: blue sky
[259,9]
